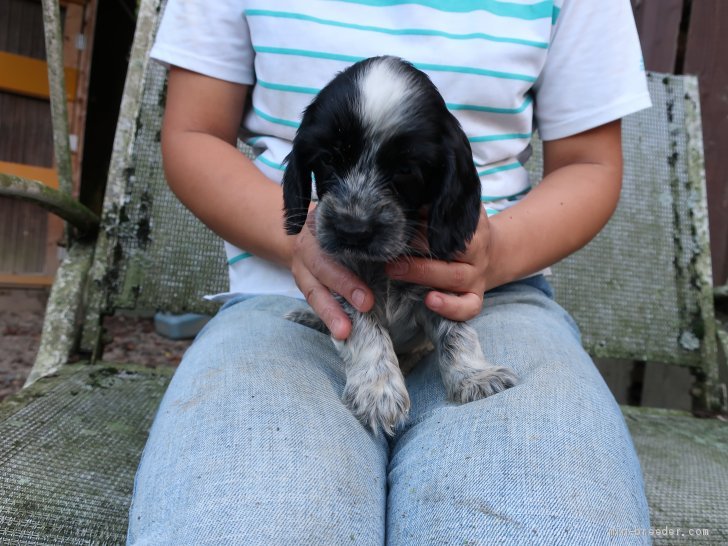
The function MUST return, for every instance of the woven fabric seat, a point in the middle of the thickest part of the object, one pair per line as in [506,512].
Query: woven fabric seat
[685,465]
[72,442]
[70,447]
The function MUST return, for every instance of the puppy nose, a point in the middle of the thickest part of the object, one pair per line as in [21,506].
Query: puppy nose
[354,231]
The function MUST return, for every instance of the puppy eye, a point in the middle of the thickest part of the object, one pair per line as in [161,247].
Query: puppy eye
[405,173]
[406,181]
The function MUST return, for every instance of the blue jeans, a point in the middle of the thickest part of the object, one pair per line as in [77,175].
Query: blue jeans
[252,444]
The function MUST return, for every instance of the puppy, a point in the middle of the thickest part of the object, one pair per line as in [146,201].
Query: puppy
[383,149]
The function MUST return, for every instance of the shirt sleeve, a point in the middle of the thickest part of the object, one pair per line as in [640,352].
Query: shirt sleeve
[211,38]
[594,71]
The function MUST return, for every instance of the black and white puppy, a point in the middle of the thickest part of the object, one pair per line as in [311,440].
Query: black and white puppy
[385,152]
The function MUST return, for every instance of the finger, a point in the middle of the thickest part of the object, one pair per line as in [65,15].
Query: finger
[460,307]
[451,276]
[324,305]
[342,281]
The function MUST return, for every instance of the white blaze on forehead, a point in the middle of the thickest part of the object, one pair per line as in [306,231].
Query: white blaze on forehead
[385,91]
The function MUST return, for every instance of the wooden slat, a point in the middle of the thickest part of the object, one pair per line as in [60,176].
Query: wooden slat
[79,109]
[43,174]
[658,23]
[27,76]
[25,280]
[21,28]
[72,28]
[706,56]
[26,134]
[23,228]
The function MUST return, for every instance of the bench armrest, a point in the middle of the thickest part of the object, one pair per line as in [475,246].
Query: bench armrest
[55,201]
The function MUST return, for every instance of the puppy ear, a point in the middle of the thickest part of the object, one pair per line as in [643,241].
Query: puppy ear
[296,192]
[456,207]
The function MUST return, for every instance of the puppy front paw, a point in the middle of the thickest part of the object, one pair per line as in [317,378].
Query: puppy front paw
[474,384]
[307,318]
[382,403]
[467,375]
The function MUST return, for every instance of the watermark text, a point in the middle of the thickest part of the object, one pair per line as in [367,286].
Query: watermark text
[659,532]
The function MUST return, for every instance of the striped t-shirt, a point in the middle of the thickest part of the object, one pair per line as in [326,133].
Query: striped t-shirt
[504,68]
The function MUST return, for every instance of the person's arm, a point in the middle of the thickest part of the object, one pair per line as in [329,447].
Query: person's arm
[209,175]
[578,195]
[236,200]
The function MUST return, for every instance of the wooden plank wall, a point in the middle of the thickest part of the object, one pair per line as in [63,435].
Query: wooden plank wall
[687,37]
[28,235]
[26,136]
[706,54]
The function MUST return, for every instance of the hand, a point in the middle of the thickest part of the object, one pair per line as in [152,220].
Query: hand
[317,274]
[465,277]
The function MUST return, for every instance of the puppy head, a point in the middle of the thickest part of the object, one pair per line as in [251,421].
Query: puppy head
[383,149]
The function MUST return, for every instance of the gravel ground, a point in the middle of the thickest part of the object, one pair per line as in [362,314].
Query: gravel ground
[130,339]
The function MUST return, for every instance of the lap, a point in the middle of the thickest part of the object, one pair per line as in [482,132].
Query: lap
[252,444]
[252,437]
[547,461]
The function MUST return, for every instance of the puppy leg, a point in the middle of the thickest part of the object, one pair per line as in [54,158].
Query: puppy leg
[307,318]
[465,372]
[375,390]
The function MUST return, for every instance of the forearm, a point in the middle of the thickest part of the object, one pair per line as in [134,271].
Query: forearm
[209,175]
[560,215]
[228,193]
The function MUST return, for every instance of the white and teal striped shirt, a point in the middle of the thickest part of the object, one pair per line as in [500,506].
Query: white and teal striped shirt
[504,67]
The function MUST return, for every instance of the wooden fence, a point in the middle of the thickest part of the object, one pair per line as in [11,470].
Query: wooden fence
[688,37]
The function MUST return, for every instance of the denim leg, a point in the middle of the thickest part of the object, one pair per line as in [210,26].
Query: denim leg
[549,461]
[252,444]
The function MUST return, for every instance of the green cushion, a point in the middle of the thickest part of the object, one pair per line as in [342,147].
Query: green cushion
[685,463]
[69,448]
[70,444]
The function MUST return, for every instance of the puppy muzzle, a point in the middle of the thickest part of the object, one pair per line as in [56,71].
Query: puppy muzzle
[367,225]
